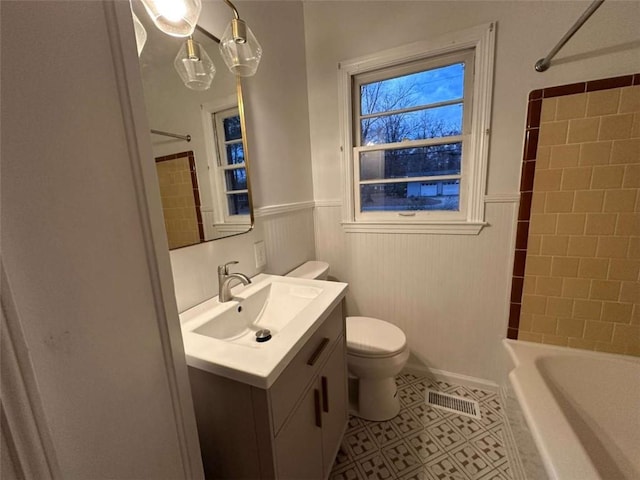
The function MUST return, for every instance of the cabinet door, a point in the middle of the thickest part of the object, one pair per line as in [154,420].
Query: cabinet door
[333,389]
[299,443]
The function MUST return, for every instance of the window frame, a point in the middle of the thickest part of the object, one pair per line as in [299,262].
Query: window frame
[470,218]
[222,220]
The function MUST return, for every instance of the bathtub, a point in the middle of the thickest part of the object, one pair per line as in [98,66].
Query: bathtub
[583,409]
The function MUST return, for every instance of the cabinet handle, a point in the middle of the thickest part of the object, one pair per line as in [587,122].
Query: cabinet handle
[314,358]
[316,398]
[325,395]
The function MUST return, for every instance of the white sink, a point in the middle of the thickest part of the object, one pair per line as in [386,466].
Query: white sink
[271,305]
[220,337]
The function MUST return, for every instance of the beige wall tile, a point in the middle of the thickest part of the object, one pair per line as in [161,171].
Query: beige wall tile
[626,334]
[595,153]
[630,292]
[607,177]
[564,156]
[577,178]
[549,286]
[598,331]
[616,312]
[548,180]
[631,176]
[543,158]
[624,269]
[632,350]
[576,288]
[630,99]
[530,337]
[559,307]
[572,106]
[544,324]
[571,327]
[572,223]
[582,246]
[526,322]
[539,266]
[600,223]
[557,202]
[564,267]
[625,151]
[548,112]
[582,344]
[635,315]
[614,127]
[605,289]
[635,129]
[533,245]
[529,285]
[634,248]
[603,102]
[543,223]
[588,201]
[553,133]
[555,340]
[613,247]
[554,244]
[534,304]
[620,200]
[537,202]
[593,268]
[584,130]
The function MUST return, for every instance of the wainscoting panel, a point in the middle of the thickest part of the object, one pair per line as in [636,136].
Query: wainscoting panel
[288,239]
[449,293]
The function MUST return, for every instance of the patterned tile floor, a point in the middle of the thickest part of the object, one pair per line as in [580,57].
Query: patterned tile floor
[424,442]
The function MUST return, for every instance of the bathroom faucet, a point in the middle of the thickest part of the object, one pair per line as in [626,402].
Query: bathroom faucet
[224,281]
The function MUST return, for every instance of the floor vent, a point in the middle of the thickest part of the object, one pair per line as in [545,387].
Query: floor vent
[453,403]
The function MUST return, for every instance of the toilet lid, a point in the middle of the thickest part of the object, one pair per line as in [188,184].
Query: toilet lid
[372,337]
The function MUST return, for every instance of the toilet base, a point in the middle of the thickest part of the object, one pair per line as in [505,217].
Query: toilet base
[377,399]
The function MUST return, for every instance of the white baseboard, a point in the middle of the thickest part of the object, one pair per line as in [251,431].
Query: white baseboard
[450,377]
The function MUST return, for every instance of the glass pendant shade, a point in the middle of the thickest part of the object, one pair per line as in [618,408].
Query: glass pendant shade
[194,66]
[141,33]
[239,48]
[174,17]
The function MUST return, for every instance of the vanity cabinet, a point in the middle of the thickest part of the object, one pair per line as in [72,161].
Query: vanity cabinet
[291,430]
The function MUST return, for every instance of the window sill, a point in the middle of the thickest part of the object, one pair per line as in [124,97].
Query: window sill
[440,228]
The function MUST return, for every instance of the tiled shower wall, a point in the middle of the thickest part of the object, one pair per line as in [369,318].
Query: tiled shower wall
[582,239]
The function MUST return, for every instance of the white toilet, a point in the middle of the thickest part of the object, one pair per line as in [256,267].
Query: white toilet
[376,352]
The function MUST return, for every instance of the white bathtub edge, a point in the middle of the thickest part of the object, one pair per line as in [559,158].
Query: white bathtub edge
[561,451]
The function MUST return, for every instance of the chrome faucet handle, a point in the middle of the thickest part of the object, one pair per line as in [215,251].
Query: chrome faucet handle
[224,269]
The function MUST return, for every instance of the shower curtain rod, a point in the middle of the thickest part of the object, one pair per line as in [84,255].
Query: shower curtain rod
[544,63]
[186,138]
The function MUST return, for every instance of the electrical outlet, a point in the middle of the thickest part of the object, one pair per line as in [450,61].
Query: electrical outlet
[260,254]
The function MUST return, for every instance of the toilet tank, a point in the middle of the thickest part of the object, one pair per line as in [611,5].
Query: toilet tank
[314,270]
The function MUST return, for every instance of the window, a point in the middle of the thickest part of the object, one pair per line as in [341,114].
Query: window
[231,172]
[415,122]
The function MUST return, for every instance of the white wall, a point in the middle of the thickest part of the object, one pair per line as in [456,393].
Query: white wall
[450,294]
[86,292]
[278,144]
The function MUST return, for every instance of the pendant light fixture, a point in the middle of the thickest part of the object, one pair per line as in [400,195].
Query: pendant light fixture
[174,17]
[141,33]
[194,66]
[238,46]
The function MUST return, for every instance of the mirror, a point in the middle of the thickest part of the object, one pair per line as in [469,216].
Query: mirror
[204,182]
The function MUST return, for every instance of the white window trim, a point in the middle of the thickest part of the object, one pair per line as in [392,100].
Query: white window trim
[482,40]
[221,221]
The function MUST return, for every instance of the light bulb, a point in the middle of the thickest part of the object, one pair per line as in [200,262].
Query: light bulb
[174,17]
[239,49]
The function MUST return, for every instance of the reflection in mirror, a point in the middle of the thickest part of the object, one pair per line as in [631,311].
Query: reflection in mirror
[213,119]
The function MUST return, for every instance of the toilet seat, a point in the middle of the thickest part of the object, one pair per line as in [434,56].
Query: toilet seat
[371,337]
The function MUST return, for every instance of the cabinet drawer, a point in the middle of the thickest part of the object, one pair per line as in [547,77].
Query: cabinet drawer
[291,383]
